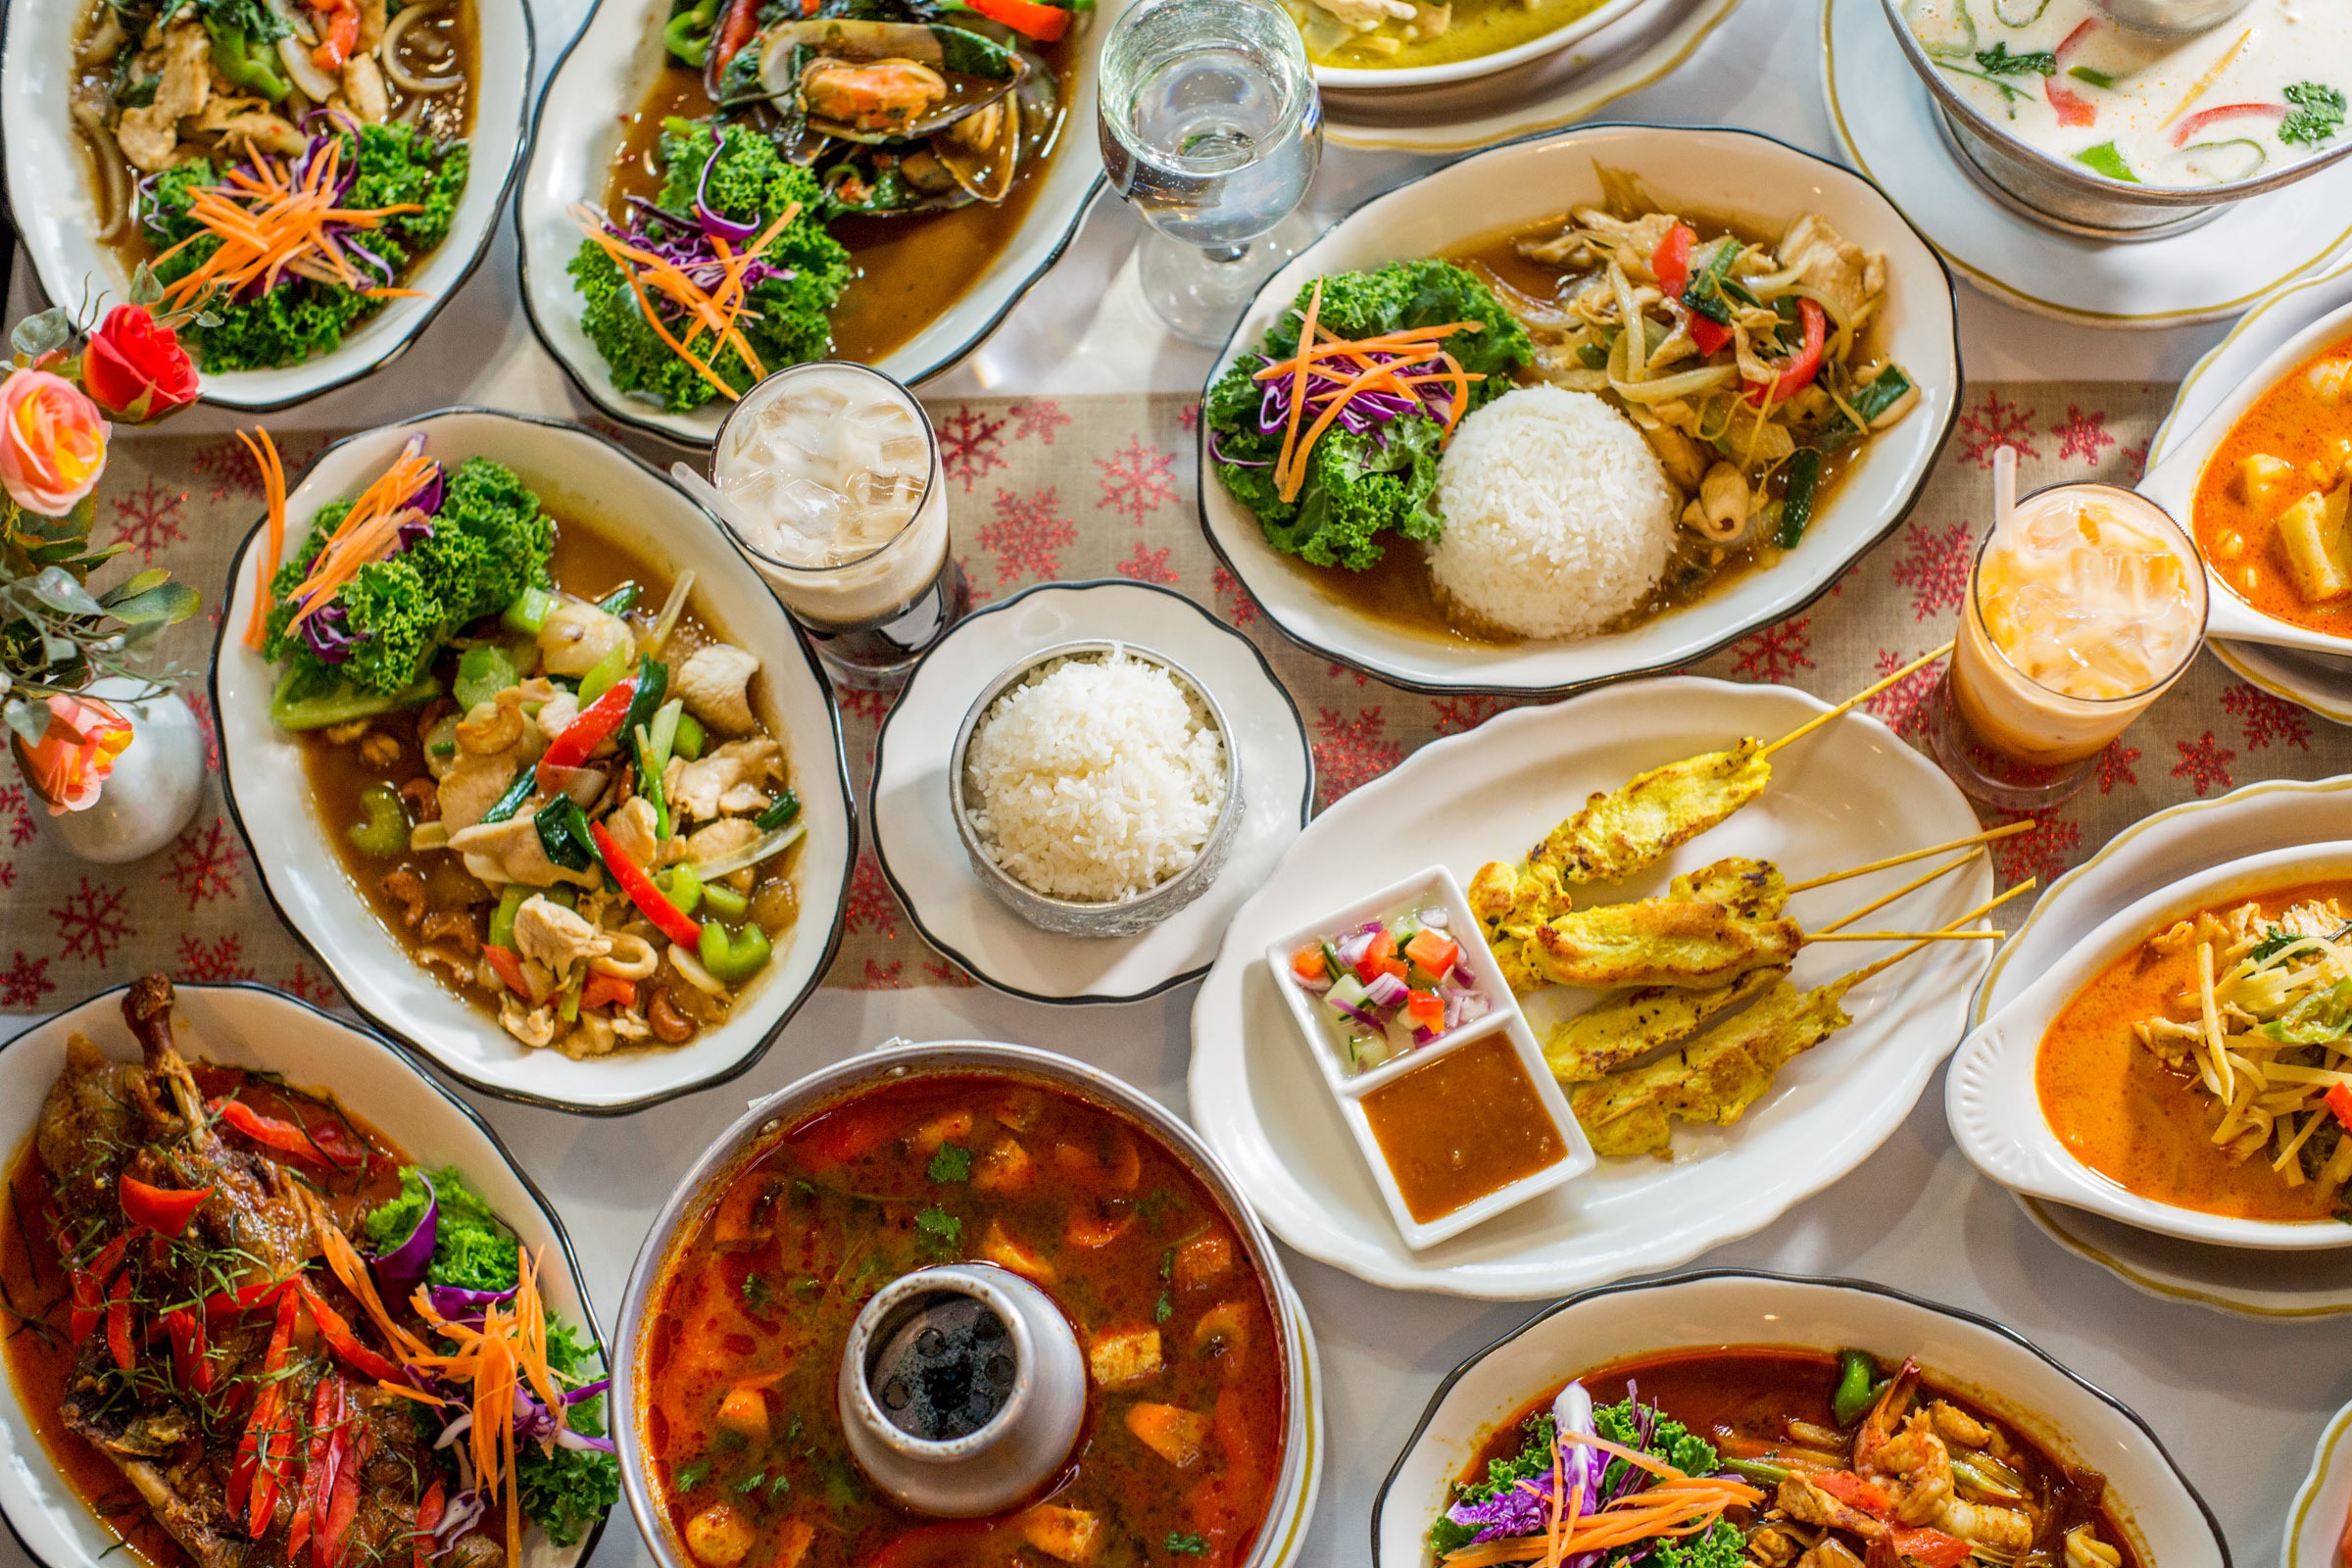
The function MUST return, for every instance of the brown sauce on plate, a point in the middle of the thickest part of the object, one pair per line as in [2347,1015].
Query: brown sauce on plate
[1468,1124]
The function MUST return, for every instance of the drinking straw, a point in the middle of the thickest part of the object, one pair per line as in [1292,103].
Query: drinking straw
[2004,487]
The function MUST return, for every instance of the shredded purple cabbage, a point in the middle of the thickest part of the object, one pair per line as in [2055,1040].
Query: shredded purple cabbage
[1364,412]
[329,634]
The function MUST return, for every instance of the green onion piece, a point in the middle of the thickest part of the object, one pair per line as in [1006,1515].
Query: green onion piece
[526,779]
[563,833]
[1857,1370]
[648,780]
[724,901]
[666,732]
[528,613]
[482,673]
[1759,1471]
[502,918]
[783,809]
[653,684]
[607,672]
[1797,506]
[2097,78]
[620,600]
[1874,398]
[689,737]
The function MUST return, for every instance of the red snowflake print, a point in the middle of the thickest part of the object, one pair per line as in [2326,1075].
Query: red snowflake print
[202,706]
[948,972]
[8,873]
[1187,418]
[859,704]
[2115,768]
[1351,751]
[872,903]
[1452,715]
[2204,762]
[2082,435]
[24,982]
[1776,652]
[1148,565]
[1244,608]
[1028,534]
[2267,717]
[1334,670]
[13,804]
[1136,481]
[229,468]
[204,864]
[1037,418]
[310,988]
[90,922]
[2135,460]
[1897,706]
[1993,424]
[223,959]
[881,976]
[1935,566]
[2043,850]
[149,518]
[969,445]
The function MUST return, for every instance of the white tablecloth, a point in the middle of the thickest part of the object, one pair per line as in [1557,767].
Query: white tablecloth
[2238,1403]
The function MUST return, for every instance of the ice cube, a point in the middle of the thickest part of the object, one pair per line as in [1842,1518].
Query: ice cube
[815,511]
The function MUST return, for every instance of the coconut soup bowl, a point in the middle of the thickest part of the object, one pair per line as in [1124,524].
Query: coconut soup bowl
[586,483]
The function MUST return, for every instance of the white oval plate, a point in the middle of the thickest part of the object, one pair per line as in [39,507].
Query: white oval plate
[2143,857]
[1702,170]
[914,836]
[1850,794]
[2316,681]
[2167,1522]
[1356,78]
[579,476]
[1631,53]
[1995,1111]
[591,96]
[253,1026]
[2316,1522]
[57,213]
[1887,127]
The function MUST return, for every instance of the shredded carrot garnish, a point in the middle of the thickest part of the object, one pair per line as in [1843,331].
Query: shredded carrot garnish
[1377,364]
[367,532]
[273,488]
[269,223]
[1676,1505]
[717,311]
[1289,434]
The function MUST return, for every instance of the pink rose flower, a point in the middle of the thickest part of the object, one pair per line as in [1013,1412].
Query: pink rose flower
[52,442]
[76,753]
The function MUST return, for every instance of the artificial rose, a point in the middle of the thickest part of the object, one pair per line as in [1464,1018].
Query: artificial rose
[75,754]
[134,369]
[52,442]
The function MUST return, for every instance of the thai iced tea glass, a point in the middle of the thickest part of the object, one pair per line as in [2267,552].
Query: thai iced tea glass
[2080,612]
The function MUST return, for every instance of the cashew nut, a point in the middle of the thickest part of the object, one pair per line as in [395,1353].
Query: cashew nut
[670,1025]
[405,886]
[1723,504]
[425,800]
[490,729]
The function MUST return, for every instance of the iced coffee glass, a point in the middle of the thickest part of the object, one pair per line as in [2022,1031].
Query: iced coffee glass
[831,480]
[2081,609]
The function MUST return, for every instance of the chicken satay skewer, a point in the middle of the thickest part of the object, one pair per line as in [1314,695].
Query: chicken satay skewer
[1991,835]
[1855,701]
[1977,914]
[1974,855]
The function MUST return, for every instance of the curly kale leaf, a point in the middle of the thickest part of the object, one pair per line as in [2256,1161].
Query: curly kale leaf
[1533,1459]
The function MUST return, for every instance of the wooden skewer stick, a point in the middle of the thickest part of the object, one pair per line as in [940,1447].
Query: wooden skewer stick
[1975,853]
[1991,835]
[1904,936]
[1977,914]
[1855,701]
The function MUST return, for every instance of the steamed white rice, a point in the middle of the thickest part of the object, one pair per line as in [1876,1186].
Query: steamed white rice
[1096,781]
[1558,518]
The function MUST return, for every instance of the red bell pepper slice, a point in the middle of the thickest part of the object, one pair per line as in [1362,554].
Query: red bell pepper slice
[262,1452]
[2072,107]
[602,990]
[338,1336]
[741,20]
[640,888]
[506,964]
[184,1327]
[1932,1547]
[1709,335]
[1046,23]
[2189,127]
[2338,1100]
[1426,1009]
[595,725]
[165,1210]
[245,1297]
[428,1519]
[1804,365]
[119,1343]
[1671,259]
[323,1144]
[89,1289]
[1856,1492]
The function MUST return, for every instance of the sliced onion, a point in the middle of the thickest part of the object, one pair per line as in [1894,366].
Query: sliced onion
[766,846]
[400,1270]
[305,71]
[1386,991]
[388,53]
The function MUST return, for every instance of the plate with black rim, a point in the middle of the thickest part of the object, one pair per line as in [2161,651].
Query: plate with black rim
[914,835]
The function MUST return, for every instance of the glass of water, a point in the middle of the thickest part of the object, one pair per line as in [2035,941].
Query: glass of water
[1211,129]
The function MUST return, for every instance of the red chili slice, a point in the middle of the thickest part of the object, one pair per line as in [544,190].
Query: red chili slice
[165,1210]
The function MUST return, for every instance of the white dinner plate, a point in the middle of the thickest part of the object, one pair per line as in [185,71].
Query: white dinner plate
[1850,794]
[584,480]
[253,1026]
[592,95]
[2167,1521]
[1887,127]
[2145,856]
[1549,89]
[1541,178]
[2315,1524]
[56,212]
[2316,681]
[914,836]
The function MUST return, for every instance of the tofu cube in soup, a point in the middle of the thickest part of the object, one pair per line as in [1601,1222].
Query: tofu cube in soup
[1124,1358]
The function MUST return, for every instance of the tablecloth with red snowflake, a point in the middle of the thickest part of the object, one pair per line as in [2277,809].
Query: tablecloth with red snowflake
[1091,487]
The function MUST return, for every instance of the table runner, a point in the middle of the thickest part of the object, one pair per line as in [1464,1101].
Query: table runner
[1045,490]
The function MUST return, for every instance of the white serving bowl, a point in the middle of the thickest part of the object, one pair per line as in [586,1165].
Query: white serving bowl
[2173,485]
[253,1026]
[56,211]
[584,118]
[1734,172]
[587,483]
[1361,79]
[1995,1109]
[2166,1520]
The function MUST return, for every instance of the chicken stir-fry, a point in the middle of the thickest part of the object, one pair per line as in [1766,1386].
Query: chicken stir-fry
[1750,374]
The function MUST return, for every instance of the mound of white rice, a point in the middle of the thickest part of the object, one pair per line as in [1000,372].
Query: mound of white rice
[1095,782]
[1558,518]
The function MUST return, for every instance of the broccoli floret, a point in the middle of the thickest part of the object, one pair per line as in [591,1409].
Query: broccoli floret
[1359,486]
[751,183]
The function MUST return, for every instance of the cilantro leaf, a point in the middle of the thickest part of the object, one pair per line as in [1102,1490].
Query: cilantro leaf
[756,1292]
[1998,61]
[941,1229]
[1189,1546]
[951,1165]
[2318,115]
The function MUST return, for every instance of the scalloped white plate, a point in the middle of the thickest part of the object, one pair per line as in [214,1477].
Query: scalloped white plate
[2316,1521]
[1850,794]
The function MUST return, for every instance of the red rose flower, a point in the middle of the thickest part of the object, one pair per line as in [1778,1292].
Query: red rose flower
[135,369]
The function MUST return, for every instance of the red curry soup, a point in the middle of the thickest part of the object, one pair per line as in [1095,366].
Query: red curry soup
[2269,507]
[746,1327]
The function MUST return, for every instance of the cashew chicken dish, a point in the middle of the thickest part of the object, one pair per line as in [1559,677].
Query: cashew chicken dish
[1772,1456]
[567,806]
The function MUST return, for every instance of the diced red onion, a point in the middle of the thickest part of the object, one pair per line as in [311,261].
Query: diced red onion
[1386,991]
